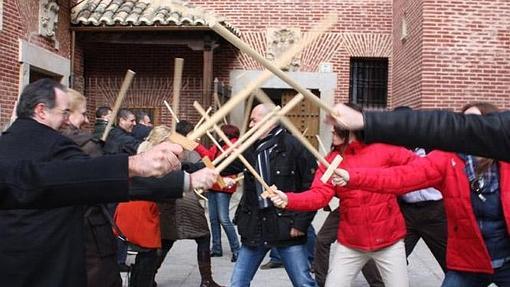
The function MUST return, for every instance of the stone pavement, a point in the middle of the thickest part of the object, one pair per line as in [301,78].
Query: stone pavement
[180,267]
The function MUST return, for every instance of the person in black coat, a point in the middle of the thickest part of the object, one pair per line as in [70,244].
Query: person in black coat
[103,116]
[487,136]
[38,247]
[120,139]
[100,244]
[143,125]
[281,160]
[44,247]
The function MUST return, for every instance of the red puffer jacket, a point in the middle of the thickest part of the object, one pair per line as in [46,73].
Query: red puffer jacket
[466,250]
[368,221]
[139,221]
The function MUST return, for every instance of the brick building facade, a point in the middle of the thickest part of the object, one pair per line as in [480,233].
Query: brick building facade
[381,53]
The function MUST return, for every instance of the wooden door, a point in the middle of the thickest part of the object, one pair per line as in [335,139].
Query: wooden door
[305,116]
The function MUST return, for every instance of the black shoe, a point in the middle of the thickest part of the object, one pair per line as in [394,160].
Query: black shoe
[216,254]
[234,258]
[271,265]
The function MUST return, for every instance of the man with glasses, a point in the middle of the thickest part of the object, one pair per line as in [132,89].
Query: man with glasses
[41,247]
[29,237]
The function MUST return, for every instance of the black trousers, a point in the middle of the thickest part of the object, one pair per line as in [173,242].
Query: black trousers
[426,220]
[203,244]
[144,269]
[327,235]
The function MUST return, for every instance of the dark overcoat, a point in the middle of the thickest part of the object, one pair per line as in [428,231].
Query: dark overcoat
[292,169]
[42,247]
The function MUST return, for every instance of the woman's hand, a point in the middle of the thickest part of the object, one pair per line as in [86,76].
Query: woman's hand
[340,177]
[229,182]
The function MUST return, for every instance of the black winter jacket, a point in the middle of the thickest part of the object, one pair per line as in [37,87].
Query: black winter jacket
[99,127]
[120,141]
[487,136]
[292,169]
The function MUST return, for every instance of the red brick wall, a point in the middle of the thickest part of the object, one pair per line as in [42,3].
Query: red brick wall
[407,54]
[149,62]
[371,17]
[466,53]
[8,59]
[250,17]
[20,21]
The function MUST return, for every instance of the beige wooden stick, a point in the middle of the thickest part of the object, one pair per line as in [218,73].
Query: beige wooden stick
[246,135]
[293,129]
[321,145]
[264,76]
[176,119]
[215,142]
[200,192]
[208,163]
[331,169]
[128,78]
[183,141]
[305,131]
[327,22]
[297,134]
[263,129]
[215,93]
[239,178]
[202,118]
[179,63]
[224,137]
[247,114]
[217,98]
[177,138]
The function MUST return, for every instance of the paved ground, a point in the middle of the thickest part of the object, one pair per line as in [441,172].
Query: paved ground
[180,267]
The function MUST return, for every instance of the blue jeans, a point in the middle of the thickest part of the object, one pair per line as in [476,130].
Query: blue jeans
[501,277]
[294,261]
[310,245]
[219,214]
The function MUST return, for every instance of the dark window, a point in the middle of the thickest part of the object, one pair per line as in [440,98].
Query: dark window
[368,84]
[37,74]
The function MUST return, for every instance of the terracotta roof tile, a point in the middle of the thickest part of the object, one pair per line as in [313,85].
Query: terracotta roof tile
[142,12]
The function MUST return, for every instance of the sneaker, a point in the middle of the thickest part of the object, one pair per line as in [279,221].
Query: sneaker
[234,258]
[271,265]
[216,254]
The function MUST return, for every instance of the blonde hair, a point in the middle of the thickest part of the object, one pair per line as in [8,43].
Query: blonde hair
[157,135]
[76,99]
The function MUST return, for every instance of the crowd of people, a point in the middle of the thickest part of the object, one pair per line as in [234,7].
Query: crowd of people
[72,205]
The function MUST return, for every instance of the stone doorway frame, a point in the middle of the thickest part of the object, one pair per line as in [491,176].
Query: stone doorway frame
[324,82]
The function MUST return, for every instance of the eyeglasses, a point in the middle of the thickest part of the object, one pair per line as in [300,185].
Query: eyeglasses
[65,112]
[477,185]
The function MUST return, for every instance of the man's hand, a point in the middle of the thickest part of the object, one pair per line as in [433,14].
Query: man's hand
[296,232]
[204,178]
[279,198]
[340,177]
[157,161]
[346,118]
